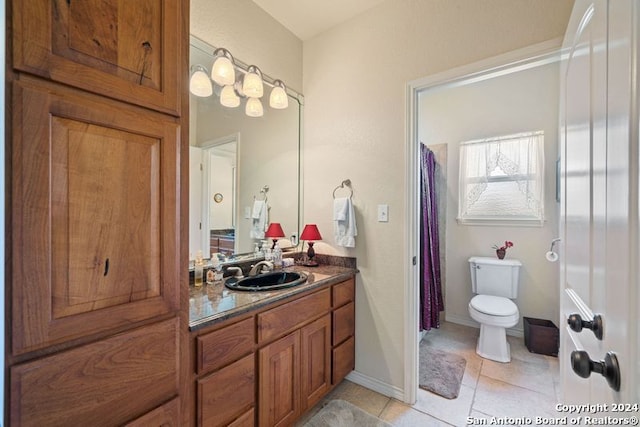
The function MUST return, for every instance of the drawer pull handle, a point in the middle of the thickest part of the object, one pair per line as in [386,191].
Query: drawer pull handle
[577,324]
[608,368]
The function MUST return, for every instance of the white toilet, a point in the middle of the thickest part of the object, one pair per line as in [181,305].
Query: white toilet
[496,283]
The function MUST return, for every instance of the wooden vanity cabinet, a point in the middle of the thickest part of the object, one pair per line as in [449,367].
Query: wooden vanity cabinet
[278,362]
[127,50]
[98,174]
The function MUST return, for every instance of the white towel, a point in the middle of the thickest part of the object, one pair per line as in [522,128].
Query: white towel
[344,230]
[340,208]
[259,219]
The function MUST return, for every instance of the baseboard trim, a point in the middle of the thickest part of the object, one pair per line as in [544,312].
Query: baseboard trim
[514,332]
[376,385]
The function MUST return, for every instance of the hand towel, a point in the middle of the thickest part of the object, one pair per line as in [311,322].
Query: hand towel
[340,207]
[345,230]
[259,219]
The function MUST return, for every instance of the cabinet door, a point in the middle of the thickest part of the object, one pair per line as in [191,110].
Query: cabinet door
[227,394]
[167,415]
[279,381]
[344,357]
[315,361]
[95,215]
[123,49]
[99,384]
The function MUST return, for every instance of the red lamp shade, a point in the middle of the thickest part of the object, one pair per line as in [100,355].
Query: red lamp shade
[274,230]
[310,232]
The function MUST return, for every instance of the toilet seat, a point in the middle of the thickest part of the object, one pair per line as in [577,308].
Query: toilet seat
[493,306]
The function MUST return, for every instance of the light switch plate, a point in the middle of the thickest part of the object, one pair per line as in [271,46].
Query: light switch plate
[383,213]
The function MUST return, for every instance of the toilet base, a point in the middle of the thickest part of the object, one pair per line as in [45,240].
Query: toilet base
[493,345]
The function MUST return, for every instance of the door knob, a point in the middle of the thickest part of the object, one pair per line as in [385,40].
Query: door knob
[576,324]
[608,368]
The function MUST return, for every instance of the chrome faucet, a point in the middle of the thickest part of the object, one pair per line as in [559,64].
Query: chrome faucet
[237,272]
[267,266]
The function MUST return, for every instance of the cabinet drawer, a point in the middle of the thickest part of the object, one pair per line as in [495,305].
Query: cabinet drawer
[110,379]
[226,243]
[167,415]
[343,323]
[227,394]
[343,360]
[343,293]
[221,347]
[245,420]
[276,322]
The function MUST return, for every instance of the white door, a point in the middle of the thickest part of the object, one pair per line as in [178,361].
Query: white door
[196,241]
[599,202]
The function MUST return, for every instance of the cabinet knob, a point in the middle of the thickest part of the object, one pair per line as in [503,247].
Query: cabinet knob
[608,368]
[577,324]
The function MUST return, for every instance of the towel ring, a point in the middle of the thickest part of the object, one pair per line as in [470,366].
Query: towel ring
[346,182]
[264,192]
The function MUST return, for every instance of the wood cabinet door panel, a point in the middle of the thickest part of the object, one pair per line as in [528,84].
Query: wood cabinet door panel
[343,292]
[279,381]
[99,384]
[315,361]
[282,319]
[226,394]
[224,345]
[248,419]
[123,49]
[167,415]
[343,360]
[344,323]
[95,213]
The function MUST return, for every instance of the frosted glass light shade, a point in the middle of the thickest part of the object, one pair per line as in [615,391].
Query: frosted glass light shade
[278,98]
[223,72]
[228,97]
[254,108]
[252,84]
[200,83]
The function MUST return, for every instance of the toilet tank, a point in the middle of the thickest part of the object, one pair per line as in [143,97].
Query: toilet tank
[492,276]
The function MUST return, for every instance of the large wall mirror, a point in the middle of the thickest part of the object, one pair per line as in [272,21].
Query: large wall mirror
[236,160]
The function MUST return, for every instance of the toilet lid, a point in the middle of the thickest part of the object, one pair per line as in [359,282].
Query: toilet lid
[495,306]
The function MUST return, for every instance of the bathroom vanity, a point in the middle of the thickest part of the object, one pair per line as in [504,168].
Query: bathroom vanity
[265,358]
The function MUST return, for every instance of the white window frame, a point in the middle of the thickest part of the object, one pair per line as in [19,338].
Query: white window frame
[536,216]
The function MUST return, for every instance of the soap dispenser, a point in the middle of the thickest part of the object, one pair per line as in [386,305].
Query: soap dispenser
[198,270]
[277,256]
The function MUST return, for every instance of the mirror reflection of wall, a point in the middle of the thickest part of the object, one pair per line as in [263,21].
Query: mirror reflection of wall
[237,156]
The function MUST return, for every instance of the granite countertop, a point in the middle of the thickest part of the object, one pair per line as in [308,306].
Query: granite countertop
[213,303]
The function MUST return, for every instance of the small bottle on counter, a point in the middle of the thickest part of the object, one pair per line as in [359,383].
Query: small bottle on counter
[277,256]
[198,270]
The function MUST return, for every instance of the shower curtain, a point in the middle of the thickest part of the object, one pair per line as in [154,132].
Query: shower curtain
[431,303]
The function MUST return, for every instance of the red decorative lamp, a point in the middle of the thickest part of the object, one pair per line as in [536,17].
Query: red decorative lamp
[310,234]
[274,232]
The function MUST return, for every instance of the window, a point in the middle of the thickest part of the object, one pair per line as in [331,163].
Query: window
[501,180]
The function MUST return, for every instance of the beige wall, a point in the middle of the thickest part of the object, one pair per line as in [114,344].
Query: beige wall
[355,78]
[251,35]
[519,102]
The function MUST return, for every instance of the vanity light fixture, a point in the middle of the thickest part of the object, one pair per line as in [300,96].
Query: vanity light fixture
[252,85]
[228,97]
[200,83]
[223,71]
[278,98]
[311,234]
[253,108]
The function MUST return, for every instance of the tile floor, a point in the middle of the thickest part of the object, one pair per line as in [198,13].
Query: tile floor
[526,387]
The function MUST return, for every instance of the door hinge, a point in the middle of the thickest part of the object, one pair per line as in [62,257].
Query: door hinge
[414,260]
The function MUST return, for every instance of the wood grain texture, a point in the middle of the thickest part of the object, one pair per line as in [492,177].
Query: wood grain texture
[279,381]
[344,323]
[128,50]
[343,360]
[167,415]
[99,384]
[96,183]
[315,362]
[220,347]
[288,316]
[343,293]
[227,393]
[248,419]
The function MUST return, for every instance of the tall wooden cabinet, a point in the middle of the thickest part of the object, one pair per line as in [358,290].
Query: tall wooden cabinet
[97,108]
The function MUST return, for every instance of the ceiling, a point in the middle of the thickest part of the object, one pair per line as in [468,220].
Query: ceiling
[308,18]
